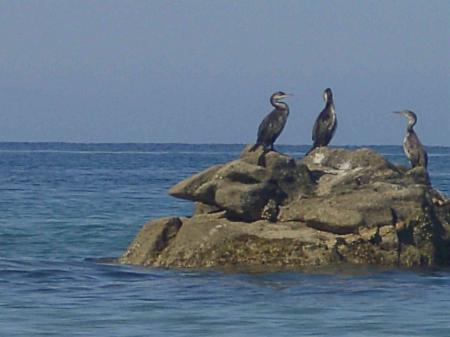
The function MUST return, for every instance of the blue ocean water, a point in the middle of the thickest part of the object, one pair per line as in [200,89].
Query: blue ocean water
[63,206]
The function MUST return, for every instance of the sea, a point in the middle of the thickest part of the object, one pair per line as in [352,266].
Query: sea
[67,209]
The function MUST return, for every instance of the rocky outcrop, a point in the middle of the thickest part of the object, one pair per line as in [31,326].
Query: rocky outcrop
[268,210]
[250,188]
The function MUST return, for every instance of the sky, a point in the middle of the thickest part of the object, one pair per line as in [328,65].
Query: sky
[202,71]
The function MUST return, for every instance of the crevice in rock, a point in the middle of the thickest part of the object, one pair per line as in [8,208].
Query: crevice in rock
[242,178]
[376,239]
[394,216]
[342,230]
[167,235]
[442,250]
[405,236]
[316,175]
[233,217]
[270,211]
[335,250]
[399,251]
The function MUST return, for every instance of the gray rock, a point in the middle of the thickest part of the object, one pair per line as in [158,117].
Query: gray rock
[292,178]
[270,211]
[244,201]
[326,158]
[344,212]
[201,208]
[267,211]
[322,215]
[212,240]
[242,172]
[243,187]
[253,155]
[188,188]
[153,238]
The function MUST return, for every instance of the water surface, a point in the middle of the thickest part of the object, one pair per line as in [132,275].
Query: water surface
[63,206]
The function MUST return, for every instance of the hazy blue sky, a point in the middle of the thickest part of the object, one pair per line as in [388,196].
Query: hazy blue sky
[202,71]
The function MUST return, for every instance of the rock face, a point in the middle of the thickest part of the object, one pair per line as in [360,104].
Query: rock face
[250,187]
[267,210]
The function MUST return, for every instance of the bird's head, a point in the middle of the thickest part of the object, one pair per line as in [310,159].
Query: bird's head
[327,95]
[411,116]
[279,96]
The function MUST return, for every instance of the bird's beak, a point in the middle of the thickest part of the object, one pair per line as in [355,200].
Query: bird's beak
[397,112]
[287,95]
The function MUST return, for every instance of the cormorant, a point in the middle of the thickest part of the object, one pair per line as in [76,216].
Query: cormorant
[272,125]
[326,123]
[412,146]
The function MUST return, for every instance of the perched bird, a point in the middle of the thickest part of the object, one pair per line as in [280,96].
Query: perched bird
[326,123]
[412,146]
[272,125]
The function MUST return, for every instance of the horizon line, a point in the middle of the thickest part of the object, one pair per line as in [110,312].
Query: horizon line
[187,143]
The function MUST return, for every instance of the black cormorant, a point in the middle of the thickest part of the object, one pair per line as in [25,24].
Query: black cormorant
[272,125]
[326,123]
[412,146]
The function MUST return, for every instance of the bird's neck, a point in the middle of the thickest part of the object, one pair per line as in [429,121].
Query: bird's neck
[410,127]
[279,105]
[329,108]
[330,104]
